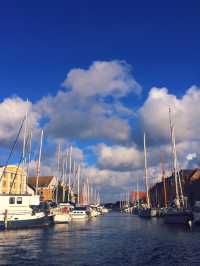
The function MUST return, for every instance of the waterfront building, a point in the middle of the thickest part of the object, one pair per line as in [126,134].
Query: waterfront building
[46,186]
[137,196]
[12,180]
[190,183]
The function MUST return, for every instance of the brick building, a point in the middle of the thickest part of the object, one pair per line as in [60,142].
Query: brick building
[46,186]
[190,181]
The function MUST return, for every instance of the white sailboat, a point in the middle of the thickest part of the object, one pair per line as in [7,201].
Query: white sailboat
[62,211]
[146,211]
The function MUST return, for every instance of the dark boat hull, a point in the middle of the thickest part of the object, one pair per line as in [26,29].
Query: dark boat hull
[24,224]
[147,213]
[179,217]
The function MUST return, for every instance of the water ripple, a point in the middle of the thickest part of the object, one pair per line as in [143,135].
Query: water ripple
[113,240]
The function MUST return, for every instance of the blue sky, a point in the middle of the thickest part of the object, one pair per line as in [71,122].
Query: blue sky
[42,41]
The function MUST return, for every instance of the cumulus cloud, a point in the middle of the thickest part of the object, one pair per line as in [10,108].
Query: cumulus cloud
[119,157]
[12,113]
[102,78]
[72,118]
[81,112]
[154,116]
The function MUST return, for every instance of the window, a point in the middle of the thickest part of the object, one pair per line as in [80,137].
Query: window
[12,200]
[19,200]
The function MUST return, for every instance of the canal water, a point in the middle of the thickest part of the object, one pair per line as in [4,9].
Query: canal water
[113,239]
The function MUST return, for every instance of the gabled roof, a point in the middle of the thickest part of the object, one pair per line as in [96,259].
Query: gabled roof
[43,181]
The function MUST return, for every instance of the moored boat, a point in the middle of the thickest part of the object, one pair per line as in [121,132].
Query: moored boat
[178,213]
[16,212]
[80,213]
[61,213]
[178,216]
[104,210]
[147,212]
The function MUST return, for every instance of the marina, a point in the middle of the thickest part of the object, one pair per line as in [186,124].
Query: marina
[99,133]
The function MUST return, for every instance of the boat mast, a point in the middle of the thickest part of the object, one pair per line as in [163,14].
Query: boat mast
[70,169]
[78,184]
[173,141]
[24,147]
[137,192]
[58,169]
[29,157]
[63,178]
[88,192]
[145,171]
[39,162]
[163,179]
[175,170]
[181,189]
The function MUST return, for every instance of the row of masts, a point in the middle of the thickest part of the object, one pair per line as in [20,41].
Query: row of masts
[69,174]
[124,200]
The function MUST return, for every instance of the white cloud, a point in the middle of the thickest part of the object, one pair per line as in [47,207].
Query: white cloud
[154,116]
[81,112]
[191,156]
[71,117]
[12,113]
[102,78]
[119,157]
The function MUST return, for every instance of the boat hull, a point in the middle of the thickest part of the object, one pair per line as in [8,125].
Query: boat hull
[79,217]
[147,213]
[179,217]
[32,222]
[62,218]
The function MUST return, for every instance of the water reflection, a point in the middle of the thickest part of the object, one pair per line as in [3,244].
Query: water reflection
[113,239]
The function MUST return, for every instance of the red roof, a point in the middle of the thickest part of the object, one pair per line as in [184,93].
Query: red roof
[139,194]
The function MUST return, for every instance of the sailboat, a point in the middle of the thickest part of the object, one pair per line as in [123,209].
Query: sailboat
[62,211]
[177,214]
[81,212]
[162,210]
[146,211]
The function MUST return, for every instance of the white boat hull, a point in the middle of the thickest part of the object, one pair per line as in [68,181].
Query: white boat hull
[79,216]
[62,218]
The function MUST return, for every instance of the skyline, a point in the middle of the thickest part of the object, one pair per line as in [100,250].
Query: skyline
[101,86]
